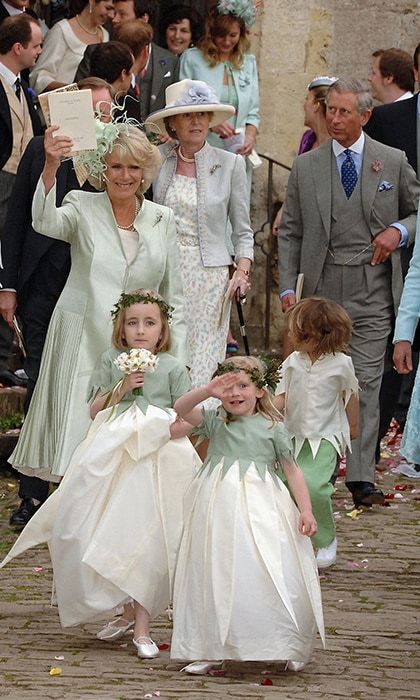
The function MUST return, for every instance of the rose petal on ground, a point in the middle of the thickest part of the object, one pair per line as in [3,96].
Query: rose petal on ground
[11,486]
[59,658]
[359,544]
[353,565]
[37,569]
[55,671]
[163,647]
[267,681]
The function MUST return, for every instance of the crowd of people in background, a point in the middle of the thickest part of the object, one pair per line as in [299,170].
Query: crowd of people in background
[142,245]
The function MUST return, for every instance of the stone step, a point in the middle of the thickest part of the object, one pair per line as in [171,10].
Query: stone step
[11,400]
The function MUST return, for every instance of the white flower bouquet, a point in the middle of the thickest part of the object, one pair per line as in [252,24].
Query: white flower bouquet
[136,360]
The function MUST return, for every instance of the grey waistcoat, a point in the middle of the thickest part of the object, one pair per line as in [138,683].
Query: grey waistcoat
[349,232]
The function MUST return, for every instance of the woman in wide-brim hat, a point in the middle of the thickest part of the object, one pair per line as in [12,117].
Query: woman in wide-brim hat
[207,188]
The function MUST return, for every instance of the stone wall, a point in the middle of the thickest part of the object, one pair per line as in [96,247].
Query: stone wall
[293,42]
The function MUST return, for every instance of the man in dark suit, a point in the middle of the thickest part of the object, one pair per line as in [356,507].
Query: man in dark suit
[12,8]
[398,125]
[161,67]
[350,205]
[34,271]
[20,46]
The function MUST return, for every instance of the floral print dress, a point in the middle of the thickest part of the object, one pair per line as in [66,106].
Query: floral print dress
[206,311]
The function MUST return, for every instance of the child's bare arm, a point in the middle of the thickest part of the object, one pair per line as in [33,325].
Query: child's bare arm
[279,402]
[180,428]
[131,381]
[299,489]
[187,405]
[352,412]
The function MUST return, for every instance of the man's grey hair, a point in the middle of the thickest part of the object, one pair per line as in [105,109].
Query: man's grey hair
[358,88]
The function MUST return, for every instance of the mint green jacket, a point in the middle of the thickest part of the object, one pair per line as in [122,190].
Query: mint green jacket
[195,66]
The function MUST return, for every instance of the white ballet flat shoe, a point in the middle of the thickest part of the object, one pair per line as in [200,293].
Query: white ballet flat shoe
[327,556]
[295,666]
[112,631]
[146,648]
[200,668]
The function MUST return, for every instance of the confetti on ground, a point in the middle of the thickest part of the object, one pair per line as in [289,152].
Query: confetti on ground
[56,671]
[59,658]
[354,514]
[11,486]
[359,544]
[37,569]
[353,565]
[365,563]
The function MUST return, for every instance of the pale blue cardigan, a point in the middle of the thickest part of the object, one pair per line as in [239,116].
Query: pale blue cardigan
[194,66]
[409,309]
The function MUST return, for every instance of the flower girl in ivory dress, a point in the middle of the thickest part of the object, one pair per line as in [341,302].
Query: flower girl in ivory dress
[319,394]
[114,524]
[246,585]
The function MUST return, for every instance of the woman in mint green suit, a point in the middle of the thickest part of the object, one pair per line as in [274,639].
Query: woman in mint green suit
[223,62]
[119,241]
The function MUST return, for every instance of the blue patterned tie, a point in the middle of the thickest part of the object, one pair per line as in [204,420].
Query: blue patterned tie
[348,174]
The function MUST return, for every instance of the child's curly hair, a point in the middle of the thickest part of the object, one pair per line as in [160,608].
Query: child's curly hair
[321,325]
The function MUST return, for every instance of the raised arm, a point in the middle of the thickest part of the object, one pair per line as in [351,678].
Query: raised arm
[187,405]
[56,147]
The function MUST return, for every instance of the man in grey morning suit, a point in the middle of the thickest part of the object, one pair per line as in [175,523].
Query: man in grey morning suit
[350,205]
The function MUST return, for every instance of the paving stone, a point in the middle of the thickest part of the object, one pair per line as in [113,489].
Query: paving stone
[371,615]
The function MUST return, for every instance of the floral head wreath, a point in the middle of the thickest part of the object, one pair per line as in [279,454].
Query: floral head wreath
[268,379]
[127,300]
[243,9]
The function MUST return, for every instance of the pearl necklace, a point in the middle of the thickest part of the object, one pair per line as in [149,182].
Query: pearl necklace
[88,31]
[183,158]
[131,226]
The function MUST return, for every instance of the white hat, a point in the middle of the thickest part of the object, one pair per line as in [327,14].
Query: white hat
[189,96]
[322,81]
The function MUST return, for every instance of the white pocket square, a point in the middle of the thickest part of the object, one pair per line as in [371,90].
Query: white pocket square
[168,74]
[385,186]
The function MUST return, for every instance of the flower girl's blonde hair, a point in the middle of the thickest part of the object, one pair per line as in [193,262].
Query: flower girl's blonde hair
[256,370]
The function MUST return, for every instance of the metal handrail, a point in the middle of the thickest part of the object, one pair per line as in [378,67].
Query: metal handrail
[268,244]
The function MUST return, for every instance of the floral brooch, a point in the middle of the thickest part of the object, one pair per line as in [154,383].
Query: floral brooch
[377,166]
[214,168]
[159,217]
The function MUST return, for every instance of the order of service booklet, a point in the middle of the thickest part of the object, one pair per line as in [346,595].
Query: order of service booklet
[73,112]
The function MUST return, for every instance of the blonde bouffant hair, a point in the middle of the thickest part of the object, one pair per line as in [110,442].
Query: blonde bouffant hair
[251,364]
[321,325]
[132,146]
[118,339]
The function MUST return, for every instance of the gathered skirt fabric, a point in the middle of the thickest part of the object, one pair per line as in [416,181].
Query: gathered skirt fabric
[114,524]
[247,585]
